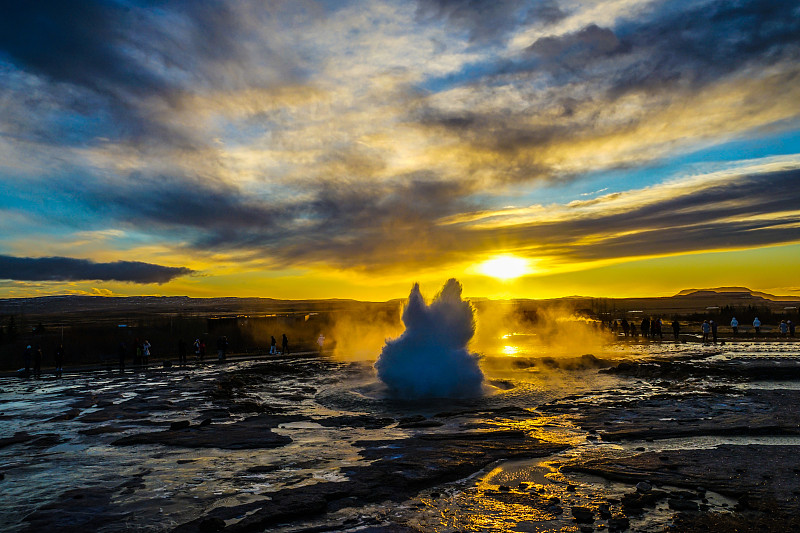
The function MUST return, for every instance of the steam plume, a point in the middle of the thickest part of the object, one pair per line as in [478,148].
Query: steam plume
[430,358]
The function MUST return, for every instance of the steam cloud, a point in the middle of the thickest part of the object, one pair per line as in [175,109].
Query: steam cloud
[430,358]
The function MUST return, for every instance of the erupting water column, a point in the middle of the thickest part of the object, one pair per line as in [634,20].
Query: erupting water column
[430,359]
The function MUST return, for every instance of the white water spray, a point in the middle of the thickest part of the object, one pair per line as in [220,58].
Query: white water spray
[430,359]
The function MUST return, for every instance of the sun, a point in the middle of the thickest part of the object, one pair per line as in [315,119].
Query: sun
[505,267]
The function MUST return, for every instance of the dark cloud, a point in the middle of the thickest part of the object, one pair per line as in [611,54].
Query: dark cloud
[741,213]
[488,21]
[100,45]
[669,45]
[106,62]
[69,269]
[577,50]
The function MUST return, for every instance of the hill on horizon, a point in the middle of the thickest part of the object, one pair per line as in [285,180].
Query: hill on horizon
[729,291]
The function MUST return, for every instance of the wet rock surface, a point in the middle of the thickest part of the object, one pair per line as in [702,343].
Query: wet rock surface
[292,445]
[251,433]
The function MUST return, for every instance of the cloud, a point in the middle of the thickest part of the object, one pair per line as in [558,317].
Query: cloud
[709,212]
[69,269]
[489,21]
[383,135]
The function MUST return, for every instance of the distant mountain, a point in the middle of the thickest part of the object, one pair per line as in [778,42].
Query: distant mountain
[734,292]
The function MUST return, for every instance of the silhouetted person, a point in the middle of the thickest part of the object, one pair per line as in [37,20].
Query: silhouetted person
[122,352]
[655,329]
[137,355]
[757,325]
[58,358]
[784,327]
[37,362]
[146,353]
[182,352]
[321,341]
[676,330]
[197,349]
[645,327]
[791,328]
[28,357]
[273,345]
[284,345]
[222,347]
[626,329]
[634,334]
[735,326]
[713,325]
[706,327]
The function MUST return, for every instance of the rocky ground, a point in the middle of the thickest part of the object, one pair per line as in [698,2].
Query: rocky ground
[667,449]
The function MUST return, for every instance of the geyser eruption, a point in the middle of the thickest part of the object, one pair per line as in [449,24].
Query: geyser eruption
[430,358]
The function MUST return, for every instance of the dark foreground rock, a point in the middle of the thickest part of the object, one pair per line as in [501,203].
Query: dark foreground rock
[251,433]
[678,411]
[400,469]
[762,478]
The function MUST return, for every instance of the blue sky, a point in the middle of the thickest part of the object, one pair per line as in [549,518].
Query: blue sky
[348,149]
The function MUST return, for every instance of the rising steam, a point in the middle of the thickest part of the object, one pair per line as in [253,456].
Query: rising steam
[430,358]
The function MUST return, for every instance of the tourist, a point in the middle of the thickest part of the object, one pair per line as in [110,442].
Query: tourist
[734,326]
[197,349]
[37,362]
[676,330]
[121,353]
[645,327]
[634,333]
[137,356]
[791,327]
[655,329]
[757,325]
[181,352]
[713,330]
[222,348]
[784,327]
[28,356]
[273,349]
[145,353]
[626,329]
[58,358]
[320,341]
[284,345]
[706,327]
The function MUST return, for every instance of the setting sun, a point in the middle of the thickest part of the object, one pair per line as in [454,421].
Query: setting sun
[505,267]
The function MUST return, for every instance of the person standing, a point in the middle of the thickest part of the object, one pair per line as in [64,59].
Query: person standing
[784,328]
[713,331]
[121,353]
[222,347]
[37,362]
[145,353]
[320,341]
[791,328]
[273,345]
[181,352]
[59,360]
[676,330]
[284,345]
[706,327]
[645,327]
[735,326]
[28,357]
[197,349]
[757,325]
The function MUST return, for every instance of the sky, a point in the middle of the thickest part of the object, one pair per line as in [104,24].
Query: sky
[347,149]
